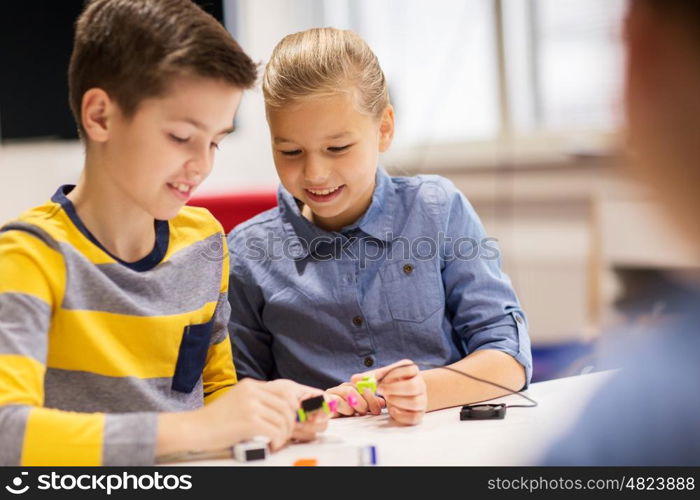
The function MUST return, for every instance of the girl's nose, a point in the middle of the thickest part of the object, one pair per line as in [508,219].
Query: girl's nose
[315,172]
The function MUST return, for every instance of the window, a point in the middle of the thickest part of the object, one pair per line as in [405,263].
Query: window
[464,73]
[439,64]
[564,62]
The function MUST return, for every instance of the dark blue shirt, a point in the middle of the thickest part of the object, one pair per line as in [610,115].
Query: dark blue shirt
[415,277]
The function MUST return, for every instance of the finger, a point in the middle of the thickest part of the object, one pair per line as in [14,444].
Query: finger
[405,417]
[407,387]
[384,371]
[274,436]
[279,420]
[401,372]
[306,392]
[318,418]
[359,376]
[382,400]
[338,405]
[409,403]
[304,434]
[352,401]
[356,401]
[294,393]
[339,395]
[341,406]
[313,427]
[342,390]
[316,423]
[280,402]
[286,390]
[276,407]
[269,426]
[372,402]
[321,425]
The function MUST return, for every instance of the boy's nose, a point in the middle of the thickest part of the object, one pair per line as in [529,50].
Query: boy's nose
[198,167]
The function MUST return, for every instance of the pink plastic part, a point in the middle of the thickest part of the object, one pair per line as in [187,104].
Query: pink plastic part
[352,400]
[333,405]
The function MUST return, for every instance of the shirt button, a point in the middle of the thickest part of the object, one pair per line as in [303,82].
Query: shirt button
[518,319]
[408,268]
[357,321]
[369,362]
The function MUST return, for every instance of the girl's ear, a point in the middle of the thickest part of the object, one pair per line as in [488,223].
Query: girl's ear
[386,128]
[96,112]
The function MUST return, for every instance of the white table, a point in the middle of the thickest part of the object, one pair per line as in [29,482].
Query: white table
[442,439]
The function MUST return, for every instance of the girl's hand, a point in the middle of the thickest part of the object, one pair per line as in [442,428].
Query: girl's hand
[402,386]
[350,402]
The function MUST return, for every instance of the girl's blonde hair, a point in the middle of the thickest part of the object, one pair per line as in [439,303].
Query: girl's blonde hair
[324,62]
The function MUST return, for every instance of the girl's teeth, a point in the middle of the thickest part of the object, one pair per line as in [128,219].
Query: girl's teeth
[324,191]
[183,188]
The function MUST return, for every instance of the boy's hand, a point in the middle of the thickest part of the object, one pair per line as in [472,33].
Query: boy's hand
[351,402]
[253,408]
[402,386]
[316,422]
[314,425]
[250,408]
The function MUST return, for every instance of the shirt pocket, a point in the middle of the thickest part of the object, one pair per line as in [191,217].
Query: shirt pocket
[192,356]
[413,290]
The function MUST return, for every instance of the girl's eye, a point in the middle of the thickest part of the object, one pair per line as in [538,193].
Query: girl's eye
[294,152]
[338,149]
[214,145]
[179,140]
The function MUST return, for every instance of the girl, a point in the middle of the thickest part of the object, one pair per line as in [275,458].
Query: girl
[356,269]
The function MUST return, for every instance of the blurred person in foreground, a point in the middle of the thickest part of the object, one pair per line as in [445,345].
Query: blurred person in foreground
[649,412]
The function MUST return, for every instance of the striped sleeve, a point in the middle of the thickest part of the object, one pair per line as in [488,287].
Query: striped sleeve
[32,280]
[219,374]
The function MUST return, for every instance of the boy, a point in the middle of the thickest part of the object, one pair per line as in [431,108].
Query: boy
[113,307]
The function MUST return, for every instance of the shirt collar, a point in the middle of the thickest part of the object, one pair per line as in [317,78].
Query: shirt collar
[162,228]
[377,221]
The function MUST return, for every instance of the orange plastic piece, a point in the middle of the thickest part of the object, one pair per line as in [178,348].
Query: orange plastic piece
[306,462]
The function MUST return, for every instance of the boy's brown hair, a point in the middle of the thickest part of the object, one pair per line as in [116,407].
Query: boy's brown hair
[132,49]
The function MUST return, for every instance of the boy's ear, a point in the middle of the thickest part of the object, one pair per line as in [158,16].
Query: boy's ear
[95,113]
[386,128]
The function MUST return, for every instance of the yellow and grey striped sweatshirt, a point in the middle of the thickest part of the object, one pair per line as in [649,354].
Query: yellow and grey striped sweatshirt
[92,348]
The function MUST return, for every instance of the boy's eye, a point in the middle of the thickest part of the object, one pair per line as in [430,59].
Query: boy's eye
[293,152]
[338,149]
[179,140]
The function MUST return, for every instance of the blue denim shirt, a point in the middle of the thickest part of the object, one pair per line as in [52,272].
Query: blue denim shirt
[415,277]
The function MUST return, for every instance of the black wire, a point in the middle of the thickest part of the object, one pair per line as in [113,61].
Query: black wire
[449,368]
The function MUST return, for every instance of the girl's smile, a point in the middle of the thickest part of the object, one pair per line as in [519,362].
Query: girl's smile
[324,195]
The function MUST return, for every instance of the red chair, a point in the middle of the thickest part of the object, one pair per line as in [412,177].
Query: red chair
[234,208]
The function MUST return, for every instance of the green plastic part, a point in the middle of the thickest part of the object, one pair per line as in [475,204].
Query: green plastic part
[367,382]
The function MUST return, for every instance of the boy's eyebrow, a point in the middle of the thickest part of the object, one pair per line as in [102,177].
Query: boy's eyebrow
[203,127]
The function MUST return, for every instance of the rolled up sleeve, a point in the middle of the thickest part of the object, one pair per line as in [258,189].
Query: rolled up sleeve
[479,296]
